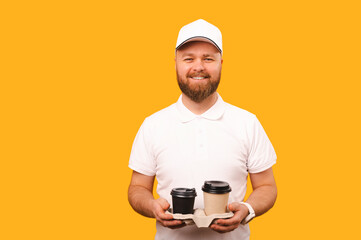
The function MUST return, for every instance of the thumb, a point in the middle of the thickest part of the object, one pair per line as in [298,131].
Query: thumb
[163,203]
[233,207]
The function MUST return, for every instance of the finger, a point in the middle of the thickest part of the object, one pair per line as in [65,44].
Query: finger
[179,226]
[161,215]
[163,203]
[228,222]
[223,229]
[236,219]
[171,223]
[224,222]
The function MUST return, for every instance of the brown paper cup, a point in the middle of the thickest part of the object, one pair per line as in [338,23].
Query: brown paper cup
[215,195]
[215,203]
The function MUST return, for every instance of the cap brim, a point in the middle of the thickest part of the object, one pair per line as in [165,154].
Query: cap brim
[201,39]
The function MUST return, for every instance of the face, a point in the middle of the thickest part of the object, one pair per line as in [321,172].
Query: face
[198,66]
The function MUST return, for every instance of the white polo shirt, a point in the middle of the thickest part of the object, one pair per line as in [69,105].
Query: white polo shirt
[183,150]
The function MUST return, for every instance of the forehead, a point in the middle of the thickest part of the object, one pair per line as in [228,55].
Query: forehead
[198,47]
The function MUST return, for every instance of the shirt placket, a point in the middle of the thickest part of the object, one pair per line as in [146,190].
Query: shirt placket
[201,143]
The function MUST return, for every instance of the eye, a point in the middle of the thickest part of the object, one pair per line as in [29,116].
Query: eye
[208,59]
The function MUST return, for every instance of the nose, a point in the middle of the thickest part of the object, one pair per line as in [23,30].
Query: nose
[198,66]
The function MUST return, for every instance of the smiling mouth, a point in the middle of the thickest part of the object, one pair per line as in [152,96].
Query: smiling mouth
[199,77]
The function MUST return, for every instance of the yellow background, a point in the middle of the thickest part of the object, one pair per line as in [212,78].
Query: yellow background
[79,77]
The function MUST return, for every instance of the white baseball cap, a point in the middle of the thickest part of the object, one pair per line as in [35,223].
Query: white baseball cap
[200,30]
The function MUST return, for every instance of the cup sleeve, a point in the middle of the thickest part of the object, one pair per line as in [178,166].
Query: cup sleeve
[261,154]
[141,157]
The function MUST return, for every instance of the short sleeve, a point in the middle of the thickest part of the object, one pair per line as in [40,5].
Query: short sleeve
[262,154]
[141,157]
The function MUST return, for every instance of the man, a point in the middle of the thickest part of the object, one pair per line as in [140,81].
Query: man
[201,138]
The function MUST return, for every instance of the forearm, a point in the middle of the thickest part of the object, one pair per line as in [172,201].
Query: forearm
[263,198]
[141,200]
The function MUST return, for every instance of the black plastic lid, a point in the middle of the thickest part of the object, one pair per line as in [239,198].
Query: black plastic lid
[216,187]
[183,192]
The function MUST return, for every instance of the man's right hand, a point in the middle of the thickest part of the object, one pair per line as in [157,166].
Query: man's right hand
[161,205]
[141,199]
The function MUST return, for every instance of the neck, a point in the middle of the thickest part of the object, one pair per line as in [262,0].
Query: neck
[199,108]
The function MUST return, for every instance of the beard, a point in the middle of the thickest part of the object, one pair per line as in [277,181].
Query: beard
[197,92]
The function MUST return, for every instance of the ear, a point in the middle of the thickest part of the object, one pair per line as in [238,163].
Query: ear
[222,61]
[175,60]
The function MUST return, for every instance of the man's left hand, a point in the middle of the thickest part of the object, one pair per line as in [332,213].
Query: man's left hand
[227,225]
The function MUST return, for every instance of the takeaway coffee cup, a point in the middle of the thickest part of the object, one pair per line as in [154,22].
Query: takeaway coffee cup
[215,195]
[183,200]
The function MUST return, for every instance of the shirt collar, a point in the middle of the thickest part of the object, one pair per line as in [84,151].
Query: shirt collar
[214,113]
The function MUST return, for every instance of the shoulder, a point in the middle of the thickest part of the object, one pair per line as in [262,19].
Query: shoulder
[163,116]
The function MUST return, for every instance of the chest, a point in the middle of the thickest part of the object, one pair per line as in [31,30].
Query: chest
[200,149]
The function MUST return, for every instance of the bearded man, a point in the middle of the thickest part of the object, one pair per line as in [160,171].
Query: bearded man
[201,138]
